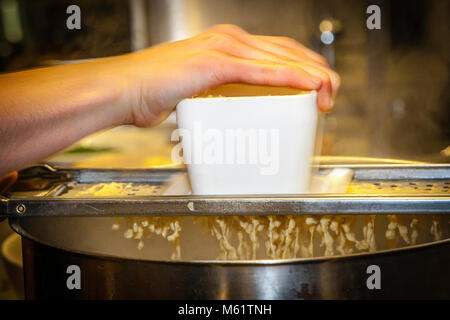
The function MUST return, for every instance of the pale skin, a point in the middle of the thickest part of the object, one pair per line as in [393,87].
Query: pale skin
[43,111]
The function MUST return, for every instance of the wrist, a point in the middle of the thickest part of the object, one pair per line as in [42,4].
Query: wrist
[117,89]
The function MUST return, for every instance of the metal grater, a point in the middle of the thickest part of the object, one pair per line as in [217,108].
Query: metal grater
[375,189]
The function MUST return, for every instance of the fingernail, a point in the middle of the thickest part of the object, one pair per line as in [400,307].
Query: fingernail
[331,103]
[327,106]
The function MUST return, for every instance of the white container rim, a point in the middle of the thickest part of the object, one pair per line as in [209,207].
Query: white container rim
[287,96]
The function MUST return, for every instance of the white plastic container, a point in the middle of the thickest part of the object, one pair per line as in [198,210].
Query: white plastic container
[244,141]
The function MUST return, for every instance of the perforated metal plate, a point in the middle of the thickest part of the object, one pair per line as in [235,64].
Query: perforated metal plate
[418,187]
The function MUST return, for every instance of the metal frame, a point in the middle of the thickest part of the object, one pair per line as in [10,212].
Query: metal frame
[50,205]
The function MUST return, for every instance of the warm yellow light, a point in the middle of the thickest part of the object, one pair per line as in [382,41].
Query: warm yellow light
[326,25]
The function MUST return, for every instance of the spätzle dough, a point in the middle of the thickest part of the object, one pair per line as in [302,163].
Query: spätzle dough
[283,237]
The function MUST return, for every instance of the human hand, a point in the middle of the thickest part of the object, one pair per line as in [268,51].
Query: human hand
[159,77]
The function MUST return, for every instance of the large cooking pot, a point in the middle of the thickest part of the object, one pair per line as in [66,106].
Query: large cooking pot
[112,268]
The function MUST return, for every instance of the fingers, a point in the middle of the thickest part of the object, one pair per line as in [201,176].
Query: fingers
[229,45]
[262,72]
[282,46]
[292,44]
[325,93]
[316,60]
[279,50]
[330,83]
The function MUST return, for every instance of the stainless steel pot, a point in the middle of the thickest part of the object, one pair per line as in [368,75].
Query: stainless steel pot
[419,271]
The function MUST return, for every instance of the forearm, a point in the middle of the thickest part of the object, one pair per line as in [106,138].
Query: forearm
[43,111]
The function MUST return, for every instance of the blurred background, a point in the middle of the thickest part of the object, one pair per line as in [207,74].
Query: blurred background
[394,99]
